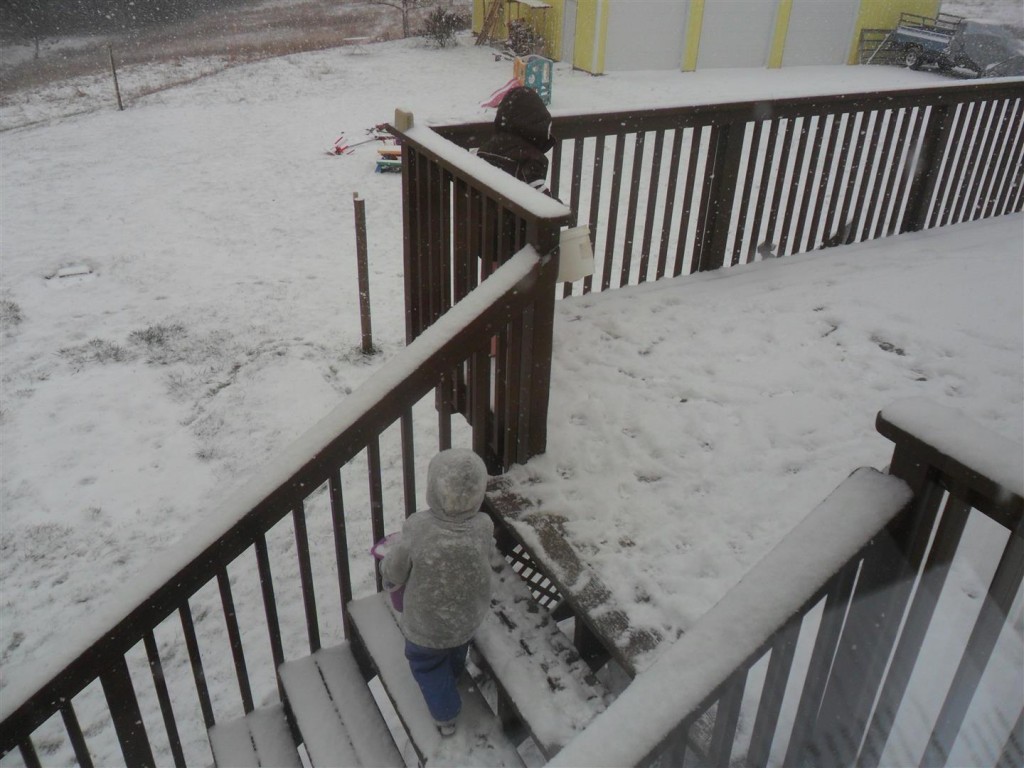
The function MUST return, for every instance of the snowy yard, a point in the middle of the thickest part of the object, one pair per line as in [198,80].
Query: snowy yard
[214,318]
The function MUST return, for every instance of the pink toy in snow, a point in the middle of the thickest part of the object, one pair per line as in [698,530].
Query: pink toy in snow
[379,550]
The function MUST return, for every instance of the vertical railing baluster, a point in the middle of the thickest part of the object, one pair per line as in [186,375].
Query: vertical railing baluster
[915,627]
[978,201]
[269,602]
[746,193]
[913,153]
[595,202]
[999,153]
[411,243]
[575,193]
[803,212]
[994,611]
[163,697]
[480,384]
[235,639]
[670,202]
[947,164]
[500,394]
[725,154]
[836,601]
[408,462]
[771,236]
[892,155]
[196,661]
[613,211]
[762,192]
[818,217]
[958,166]
[925,182]
[652,204]
[983,118]
[28,753]
[510,447]
[78,744]
[634,196]
[444,397]
[123,704]
[875,211]
[860,217]
[831,225]
[727,717]
[306,575]
[790,212]
[1011,154]
[689,188]
[767,719]
[845,230]
[341,555]
[556,169]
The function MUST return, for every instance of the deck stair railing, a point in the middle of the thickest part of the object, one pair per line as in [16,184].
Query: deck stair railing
[872,560]
[126,673]
[673,191]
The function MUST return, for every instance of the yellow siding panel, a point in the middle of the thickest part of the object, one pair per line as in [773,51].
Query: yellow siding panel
[693,29]
[778,48]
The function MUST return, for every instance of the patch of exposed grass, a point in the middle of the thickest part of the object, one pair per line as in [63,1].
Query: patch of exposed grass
[158,335]
[95,351]
[10,314]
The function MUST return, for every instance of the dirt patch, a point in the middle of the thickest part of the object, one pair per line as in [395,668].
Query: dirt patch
[234,35]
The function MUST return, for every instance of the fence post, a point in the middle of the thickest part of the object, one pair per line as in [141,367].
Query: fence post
[726,171]
[113,71]
[926,168]
[541,345]
[362,267]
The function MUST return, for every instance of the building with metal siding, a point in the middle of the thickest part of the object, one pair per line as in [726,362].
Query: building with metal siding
[615,35]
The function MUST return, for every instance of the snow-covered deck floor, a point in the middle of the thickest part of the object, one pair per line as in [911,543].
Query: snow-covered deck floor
[695,421]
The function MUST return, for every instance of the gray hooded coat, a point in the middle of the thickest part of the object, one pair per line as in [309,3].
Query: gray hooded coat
[443,555]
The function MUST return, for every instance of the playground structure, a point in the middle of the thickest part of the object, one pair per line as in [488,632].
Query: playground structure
[534,72]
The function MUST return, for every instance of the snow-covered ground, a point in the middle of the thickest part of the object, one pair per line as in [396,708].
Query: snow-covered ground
[217,318]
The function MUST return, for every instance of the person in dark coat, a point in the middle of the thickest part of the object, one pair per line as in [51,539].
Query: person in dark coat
[522,134]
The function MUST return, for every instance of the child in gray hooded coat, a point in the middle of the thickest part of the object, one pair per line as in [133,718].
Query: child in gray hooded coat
[443,560]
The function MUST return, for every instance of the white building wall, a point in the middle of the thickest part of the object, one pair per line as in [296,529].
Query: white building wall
[736,33]
[645,34]
[820,32]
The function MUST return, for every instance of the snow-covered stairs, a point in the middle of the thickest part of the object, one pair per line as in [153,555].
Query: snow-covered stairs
[544,689]
[335,713]
[329,708]
[540,675]
[479,739]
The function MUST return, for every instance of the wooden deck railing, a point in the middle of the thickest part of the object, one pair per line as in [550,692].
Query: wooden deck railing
[462,219]
[292,515]
[875,613]
[679,190]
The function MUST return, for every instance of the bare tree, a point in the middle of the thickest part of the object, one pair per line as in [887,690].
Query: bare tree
[404,7]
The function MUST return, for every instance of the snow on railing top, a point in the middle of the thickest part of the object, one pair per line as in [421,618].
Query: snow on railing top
[961,440]
[512,190]
[162,569]
[733,630]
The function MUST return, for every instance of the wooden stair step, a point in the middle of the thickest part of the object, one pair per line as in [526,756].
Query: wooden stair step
[261,738]
[334,711]
[478,739]
[536,666]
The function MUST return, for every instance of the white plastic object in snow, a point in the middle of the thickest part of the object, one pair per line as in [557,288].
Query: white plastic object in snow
[576,257]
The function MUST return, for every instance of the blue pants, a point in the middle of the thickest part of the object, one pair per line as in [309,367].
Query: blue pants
[436,670]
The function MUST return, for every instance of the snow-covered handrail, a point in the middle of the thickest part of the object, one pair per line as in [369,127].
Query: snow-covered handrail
[680,680]
[518,196]
[991,465]
[264,498]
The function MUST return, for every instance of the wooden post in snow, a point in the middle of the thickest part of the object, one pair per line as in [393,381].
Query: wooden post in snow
[113,71]
[362,267]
